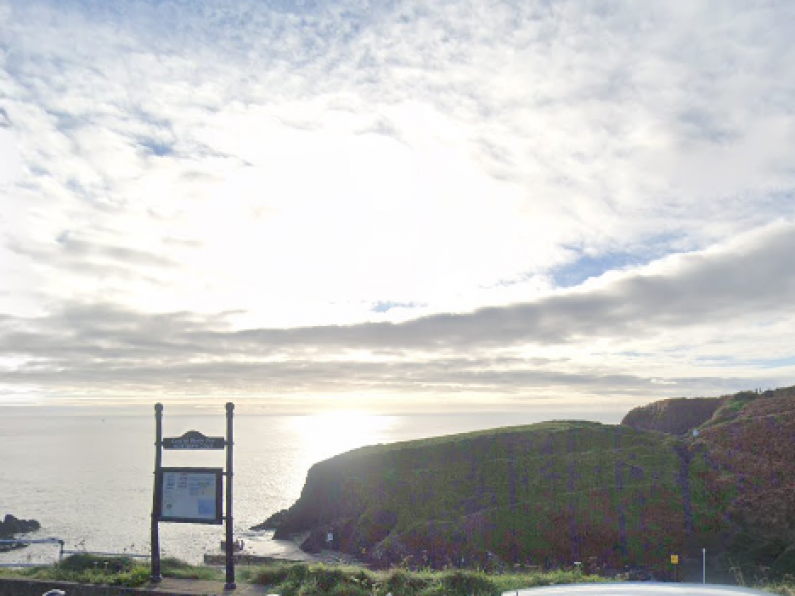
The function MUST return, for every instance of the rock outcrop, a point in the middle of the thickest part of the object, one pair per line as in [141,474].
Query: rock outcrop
[11,525]
[554,493]
[750,444]
[547,494]
[272,523]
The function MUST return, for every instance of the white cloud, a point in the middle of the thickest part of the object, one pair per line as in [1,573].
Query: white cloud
[9,155]
[707,322]
[300,164]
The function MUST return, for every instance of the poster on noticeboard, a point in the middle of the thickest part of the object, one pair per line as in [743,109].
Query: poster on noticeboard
[191,495]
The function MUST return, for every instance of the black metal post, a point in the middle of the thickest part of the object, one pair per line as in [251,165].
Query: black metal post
[156,575]
[230,545]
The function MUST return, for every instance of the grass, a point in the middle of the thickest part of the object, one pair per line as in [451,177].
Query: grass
[113,571]
[783,589]
[88,569]
[173,567]
[758,577]
[300,579]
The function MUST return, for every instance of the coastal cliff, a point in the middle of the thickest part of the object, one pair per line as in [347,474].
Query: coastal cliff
[675,416]
[748,439]
[750,442]
[553,493]
[545,494]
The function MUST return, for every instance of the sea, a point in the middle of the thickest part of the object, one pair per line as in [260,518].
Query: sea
[88,477]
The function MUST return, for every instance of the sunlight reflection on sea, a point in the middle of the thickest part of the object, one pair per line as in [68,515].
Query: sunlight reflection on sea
[88,479]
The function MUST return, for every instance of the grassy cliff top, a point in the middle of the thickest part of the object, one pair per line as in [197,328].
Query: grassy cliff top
[598,432]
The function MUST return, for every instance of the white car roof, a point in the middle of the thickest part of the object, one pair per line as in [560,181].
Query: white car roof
[635,589]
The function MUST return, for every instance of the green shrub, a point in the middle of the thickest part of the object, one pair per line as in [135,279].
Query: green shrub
[298,572]
[272,575]
[173,563]
[784,589]
[137,575]
[86,562]
[327,578]
[467,582]
[785,562]
[302,579]
[349,590]
[400,581]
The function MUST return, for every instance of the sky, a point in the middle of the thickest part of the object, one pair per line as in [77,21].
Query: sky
[439,206]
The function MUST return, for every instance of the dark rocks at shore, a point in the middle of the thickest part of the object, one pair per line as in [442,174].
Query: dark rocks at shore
[272,523]
[11,526]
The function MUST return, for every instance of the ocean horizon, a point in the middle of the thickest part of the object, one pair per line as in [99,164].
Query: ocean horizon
[87,477]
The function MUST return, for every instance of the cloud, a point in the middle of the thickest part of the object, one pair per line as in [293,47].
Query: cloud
[5,121]
[739,286]
[742,281]
[9,155]
[81,253]
[363,181]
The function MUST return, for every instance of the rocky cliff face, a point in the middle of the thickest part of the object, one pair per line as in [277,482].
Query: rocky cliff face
[676,416]
[750,445]
[748,440]
[545,494]
[560,492]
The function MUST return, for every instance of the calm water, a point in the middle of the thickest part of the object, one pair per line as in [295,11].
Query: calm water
[88,479]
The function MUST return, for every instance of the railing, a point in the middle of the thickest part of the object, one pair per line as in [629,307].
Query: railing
[62,551]
[28,541]
[103,554]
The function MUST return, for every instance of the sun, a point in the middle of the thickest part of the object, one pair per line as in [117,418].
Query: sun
[330,433]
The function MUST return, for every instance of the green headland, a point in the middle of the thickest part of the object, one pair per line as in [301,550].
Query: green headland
[609,497]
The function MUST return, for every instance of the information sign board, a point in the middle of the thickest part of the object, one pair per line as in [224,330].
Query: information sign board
[191,495]
[193,439]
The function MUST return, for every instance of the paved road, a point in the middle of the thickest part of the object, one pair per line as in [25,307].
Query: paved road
[635,589]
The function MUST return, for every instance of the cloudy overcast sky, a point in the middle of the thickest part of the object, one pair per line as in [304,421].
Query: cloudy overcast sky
[395,206]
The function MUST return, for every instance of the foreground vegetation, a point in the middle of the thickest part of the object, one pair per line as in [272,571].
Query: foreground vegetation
[301,579]
[779,588]
[298,579]
[113,571]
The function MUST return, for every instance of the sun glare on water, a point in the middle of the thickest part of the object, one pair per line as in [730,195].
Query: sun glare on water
[325,435]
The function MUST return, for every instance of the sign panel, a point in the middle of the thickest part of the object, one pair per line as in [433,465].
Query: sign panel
[675,559]
[193,439]
[191,495]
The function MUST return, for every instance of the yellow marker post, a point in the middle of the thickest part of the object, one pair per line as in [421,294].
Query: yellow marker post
[675,563]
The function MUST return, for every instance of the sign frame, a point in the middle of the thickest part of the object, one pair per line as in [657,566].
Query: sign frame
[196,441]
[218,516]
